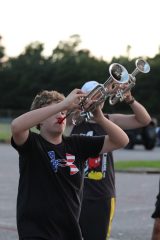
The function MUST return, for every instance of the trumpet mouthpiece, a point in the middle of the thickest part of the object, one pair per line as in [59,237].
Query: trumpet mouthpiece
[60,120]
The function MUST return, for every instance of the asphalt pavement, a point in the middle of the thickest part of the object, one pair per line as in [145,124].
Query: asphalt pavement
[136,196]
[138,153]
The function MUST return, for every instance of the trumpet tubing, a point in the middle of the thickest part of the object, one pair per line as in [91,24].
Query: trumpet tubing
[118,74]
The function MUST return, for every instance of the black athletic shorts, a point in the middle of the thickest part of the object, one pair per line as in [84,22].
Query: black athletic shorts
[96,218]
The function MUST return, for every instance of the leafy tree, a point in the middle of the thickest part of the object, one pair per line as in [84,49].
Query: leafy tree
[69,67]
[2,51]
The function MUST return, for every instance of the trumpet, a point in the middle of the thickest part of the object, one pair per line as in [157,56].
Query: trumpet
[118,74]
[141,66]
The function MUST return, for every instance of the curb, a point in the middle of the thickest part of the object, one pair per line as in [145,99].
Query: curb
[140,170]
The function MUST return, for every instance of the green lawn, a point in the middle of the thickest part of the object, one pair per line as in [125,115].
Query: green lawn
[127,165]
[5,132]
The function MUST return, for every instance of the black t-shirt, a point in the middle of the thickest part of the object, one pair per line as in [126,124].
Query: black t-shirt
[50,185]
[99,172]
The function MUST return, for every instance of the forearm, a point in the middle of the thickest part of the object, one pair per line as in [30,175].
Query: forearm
[116,135]
[156,230]
[33,118]
[141,114]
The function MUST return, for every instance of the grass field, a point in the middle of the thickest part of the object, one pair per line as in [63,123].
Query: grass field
[5,132]
[138,164]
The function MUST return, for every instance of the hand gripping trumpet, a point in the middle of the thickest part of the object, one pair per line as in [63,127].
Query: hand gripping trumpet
[141,66]
[118,74]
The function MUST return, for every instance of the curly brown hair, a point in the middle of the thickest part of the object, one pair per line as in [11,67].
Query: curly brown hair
[45,98]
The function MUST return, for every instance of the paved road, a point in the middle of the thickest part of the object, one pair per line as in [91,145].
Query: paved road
[136,195]
[8,192]
[138,153]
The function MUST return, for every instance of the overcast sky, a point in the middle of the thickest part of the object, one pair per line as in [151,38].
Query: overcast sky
[106,27]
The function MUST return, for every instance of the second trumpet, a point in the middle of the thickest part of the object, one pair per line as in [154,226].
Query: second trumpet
[141,66]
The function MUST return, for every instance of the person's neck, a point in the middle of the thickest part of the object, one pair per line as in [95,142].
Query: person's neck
[56,139]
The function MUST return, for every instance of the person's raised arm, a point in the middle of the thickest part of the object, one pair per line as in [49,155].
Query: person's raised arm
[139,118]
[20,126]
[116,137]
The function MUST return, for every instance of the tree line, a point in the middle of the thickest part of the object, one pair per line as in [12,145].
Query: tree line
[66,68]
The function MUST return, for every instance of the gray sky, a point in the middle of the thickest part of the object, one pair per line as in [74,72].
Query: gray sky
[106,27]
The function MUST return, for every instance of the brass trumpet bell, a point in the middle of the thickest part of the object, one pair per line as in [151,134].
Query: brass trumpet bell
[118,73]
[141,66]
